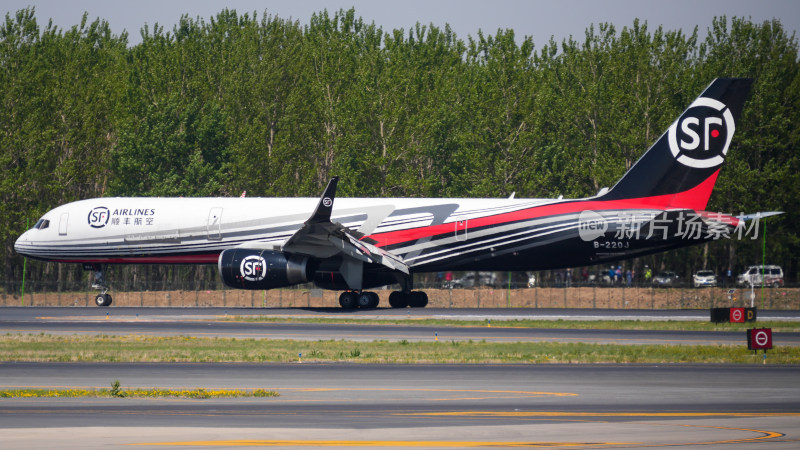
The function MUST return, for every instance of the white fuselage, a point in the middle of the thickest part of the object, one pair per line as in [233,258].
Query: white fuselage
[196,230]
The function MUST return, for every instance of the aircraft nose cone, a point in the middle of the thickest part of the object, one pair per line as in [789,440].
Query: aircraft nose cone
[20,243]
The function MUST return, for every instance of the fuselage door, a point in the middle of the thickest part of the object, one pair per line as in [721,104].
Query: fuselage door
[62,224]
[461,228]
[215,223]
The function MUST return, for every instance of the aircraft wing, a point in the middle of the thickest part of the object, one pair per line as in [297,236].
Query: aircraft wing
[321,238]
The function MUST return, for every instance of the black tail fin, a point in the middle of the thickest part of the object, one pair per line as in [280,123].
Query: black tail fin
[680,169]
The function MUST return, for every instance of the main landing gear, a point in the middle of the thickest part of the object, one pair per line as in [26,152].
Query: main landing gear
[403,298]
[397,299]
[363,299]
[406,296]
[103,298]
[414,299]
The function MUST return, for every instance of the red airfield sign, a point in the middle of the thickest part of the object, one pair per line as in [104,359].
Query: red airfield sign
[759,339]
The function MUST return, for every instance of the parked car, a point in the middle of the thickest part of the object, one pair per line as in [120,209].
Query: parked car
[469,280]
[665,279]
[705,278]
[761,276]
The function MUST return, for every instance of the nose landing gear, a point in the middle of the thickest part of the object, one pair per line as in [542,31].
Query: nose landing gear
[103,298]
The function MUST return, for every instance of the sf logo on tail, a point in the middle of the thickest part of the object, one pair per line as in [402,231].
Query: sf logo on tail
[700,138]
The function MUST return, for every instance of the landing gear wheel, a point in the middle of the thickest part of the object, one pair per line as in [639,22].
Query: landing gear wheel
[398,299]
[418,299]
[103,300]
[375,300]
[348,300]
[368,300]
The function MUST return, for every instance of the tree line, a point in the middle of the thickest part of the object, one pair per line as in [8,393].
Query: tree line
[258,103]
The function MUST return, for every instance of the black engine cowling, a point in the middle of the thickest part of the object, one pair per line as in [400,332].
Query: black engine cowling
[242,268]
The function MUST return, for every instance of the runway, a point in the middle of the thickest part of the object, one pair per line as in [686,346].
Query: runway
[214,322]
[29,313]
[424,406]
[397,406]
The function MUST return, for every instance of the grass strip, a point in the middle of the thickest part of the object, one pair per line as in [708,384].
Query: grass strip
[655,325]
[50,348]
[198,393]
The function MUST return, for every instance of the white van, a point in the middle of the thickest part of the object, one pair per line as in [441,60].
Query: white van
[761,276]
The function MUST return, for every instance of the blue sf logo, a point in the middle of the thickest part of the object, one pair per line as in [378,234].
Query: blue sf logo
[98,217]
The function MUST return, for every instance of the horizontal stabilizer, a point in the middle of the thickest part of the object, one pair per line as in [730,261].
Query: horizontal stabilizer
[759,215]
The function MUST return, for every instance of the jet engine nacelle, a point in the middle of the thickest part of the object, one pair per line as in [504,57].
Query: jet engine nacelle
[261,269]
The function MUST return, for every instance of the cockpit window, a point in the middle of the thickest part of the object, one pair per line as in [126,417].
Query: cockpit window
[41,224]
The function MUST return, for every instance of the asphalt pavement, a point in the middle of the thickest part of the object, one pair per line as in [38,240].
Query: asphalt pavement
[399,406]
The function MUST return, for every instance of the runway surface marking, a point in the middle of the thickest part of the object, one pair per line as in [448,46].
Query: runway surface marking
[478,394]
[401,444]
[764,435]
[482,391]
[597,414]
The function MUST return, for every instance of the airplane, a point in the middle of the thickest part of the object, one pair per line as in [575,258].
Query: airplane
[365,243]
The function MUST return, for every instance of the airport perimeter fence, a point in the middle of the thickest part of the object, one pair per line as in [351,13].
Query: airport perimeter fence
[211,293]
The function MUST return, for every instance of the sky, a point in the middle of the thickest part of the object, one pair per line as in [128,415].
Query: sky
[540,19]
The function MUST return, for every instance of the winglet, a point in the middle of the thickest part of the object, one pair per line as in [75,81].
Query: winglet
[325,206]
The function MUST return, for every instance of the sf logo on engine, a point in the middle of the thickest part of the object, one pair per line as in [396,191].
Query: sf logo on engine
[98,217]
[700,138]
[253,268]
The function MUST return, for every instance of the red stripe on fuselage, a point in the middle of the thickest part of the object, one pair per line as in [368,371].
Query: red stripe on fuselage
[210,258]
[695,199]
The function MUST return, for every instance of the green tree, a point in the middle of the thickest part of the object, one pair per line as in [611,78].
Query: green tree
[275,107]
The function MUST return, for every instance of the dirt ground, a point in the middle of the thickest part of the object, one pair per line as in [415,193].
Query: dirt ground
[572,297]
